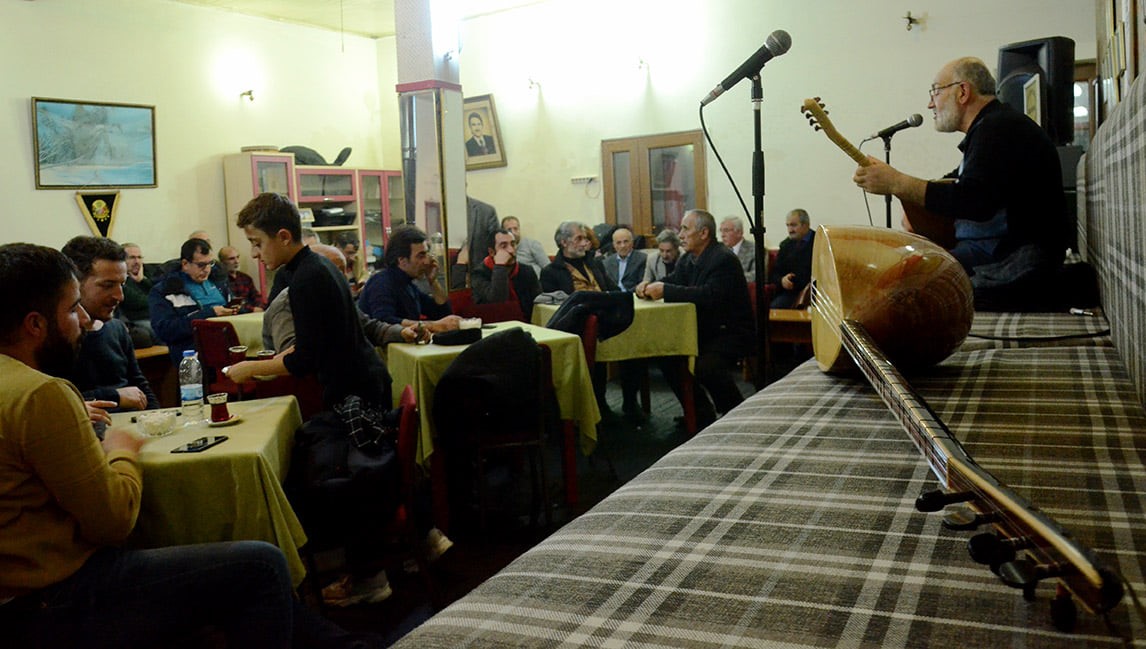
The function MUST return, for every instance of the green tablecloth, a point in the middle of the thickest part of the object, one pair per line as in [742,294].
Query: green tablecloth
[229,492]
[658,329]
[249,328]
[422,365]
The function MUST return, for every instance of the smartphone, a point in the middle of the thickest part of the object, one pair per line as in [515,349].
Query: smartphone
[235,303]
[201,444]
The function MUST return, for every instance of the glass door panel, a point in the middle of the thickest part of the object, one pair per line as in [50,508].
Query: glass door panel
[673,190]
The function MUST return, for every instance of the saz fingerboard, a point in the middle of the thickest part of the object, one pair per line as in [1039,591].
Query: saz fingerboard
[1051,550]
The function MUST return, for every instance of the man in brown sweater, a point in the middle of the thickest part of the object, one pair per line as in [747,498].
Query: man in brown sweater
[66,502]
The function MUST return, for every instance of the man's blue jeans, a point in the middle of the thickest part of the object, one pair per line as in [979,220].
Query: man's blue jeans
[142,598]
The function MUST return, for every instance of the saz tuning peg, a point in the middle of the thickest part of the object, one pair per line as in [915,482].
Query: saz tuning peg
[933,501]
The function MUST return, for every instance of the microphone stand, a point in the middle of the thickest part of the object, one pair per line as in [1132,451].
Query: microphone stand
[763,332]
[887,159]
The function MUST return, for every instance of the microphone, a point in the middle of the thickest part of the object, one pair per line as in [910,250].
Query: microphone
[776,44]
[910,122]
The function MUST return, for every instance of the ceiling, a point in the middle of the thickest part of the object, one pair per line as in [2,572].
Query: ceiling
[371,18]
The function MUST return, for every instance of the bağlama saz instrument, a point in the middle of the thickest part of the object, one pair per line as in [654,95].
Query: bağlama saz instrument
[894,300]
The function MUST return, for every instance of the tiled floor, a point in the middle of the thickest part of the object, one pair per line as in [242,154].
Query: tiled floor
[625,448]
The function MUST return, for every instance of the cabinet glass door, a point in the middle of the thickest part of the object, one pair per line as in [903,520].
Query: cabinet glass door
[274,175]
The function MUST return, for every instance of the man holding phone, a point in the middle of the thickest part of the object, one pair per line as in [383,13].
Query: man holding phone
[244,294]
[184,295]
[68,502]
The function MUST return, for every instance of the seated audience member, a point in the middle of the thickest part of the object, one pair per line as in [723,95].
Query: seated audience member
[711,278]
[278,323]
[625,266]
[529,251]
[664,262]
[573,268]
[793,268]
[347,242]
[106,368]
[133,310]
[391,296]
[218,275]
[241,285]
[186,295]
[732,235]
[501,278]
[68,504]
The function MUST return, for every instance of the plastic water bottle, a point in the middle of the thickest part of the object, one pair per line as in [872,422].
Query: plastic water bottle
[191,387]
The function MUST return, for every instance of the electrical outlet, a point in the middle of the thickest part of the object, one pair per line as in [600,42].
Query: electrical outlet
[582,180]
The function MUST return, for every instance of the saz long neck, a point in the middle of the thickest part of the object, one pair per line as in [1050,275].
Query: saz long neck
[1015,519]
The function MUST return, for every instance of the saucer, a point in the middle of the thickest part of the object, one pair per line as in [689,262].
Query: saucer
[226,422]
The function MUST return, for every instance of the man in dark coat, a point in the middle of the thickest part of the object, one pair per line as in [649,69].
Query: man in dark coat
[793,268]
[710,277]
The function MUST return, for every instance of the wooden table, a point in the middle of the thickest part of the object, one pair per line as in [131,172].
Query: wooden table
[229,492]
[659,329]
[421,366]
[249,328]
[790,326]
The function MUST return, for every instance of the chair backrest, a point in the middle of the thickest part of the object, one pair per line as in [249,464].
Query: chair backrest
[589,338]
[462,303]
[212,340]
[408,441]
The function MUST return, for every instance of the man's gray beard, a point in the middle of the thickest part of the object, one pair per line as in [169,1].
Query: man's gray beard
[946,122]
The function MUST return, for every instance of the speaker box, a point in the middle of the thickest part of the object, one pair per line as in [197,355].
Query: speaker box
[1052,61]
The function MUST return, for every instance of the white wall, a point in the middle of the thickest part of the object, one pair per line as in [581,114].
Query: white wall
[191,63]
[585,53]
[858,56]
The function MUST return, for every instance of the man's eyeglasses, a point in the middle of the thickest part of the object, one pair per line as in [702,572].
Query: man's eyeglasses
[203,265]
[935,90]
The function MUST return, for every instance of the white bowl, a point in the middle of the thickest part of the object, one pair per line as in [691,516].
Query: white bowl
[156,423]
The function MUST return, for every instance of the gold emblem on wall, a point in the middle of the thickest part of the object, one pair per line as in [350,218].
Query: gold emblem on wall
[99,210]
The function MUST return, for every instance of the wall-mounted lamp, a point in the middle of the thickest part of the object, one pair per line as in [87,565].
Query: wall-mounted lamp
[642,64]
[249,94]
[534,84]
[911,21]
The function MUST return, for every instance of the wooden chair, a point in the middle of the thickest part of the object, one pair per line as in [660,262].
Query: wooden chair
[402,527]
[213,339]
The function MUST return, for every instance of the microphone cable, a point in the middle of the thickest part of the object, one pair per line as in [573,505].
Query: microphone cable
[715,152]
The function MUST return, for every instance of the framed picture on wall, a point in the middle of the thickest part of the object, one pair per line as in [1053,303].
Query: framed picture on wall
[483,134]
[1033,100]
[89,145]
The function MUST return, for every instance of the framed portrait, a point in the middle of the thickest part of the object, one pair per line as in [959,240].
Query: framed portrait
[89,145]
[483,134]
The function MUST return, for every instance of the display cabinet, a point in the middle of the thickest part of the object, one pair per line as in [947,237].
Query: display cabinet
[331,194]
[383,204]
[246,175]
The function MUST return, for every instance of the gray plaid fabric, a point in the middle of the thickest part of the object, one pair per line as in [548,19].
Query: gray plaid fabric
[1112,227]
[790,522]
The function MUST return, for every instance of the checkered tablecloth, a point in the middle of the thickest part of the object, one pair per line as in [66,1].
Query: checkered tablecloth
[790,522]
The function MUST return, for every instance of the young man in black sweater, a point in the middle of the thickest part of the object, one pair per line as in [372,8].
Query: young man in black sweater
[329,341]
